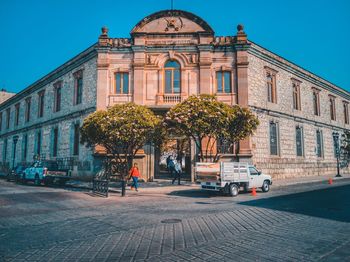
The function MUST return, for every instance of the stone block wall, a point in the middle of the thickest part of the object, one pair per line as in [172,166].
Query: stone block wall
[64,120]
[287,163]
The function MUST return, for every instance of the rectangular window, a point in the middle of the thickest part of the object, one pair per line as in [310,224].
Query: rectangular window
[316,101]
[223,82]
[27,112]
[55,142]
[299,141]
[78,87]
[4,151]
[319,143]
[8,115]
[346,112]
[38,143]
[224,147]
[274,139]
[296,96]
[122,82]
[41,103]
[76,140]
[332,107]
[57,96]
[24,147]
[17,107]
[271,87]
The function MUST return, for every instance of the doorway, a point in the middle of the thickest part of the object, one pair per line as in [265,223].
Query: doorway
[178,149]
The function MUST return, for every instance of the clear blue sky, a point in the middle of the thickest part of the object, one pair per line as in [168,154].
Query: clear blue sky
[38,36]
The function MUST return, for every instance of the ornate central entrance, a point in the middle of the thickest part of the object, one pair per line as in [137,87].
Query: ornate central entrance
[178,149]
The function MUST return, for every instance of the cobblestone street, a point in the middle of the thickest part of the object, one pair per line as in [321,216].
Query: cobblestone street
[304,222]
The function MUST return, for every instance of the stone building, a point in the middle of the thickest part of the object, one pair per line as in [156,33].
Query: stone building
[4,95]
[171,55]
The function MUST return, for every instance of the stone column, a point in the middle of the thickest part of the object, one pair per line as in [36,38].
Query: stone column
[139,66]
[102,81]
[205,61]
[241,46]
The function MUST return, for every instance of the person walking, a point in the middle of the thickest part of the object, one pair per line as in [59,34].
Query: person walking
[170,165]
[134,174]
[178,171]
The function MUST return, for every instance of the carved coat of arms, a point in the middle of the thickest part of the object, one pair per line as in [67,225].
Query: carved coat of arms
[173,23]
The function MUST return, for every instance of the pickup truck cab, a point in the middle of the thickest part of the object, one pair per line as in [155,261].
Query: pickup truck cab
[230,177]
[47,172]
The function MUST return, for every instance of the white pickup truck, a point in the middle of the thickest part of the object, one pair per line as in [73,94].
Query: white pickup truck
[46,172]
[230,177]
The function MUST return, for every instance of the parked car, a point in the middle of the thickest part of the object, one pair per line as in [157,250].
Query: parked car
[230,177]
[47,172]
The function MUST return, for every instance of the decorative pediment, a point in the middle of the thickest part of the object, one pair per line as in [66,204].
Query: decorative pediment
[170,22]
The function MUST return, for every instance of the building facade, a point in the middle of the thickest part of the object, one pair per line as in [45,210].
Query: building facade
[171,55]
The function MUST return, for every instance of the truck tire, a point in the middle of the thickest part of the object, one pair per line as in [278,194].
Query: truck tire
[37,180]
[266,186]
[233,190]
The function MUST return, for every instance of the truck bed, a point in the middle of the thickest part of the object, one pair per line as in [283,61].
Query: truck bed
[224,171]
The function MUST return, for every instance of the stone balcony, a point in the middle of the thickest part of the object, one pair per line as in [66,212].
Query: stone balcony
[170,99]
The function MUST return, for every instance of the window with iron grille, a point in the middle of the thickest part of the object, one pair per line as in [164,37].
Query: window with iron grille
[274,139]
[76,140]
[55,142]
[24,147]
[299,139]
[319,143]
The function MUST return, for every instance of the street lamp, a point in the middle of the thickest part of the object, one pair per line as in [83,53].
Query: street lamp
[337,151]
[15,140]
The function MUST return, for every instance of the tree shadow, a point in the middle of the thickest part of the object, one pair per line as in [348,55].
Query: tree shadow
[330,203]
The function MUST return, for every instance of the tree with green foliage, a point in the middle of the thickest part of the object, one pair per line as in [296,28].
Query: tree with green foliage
[122,130]
[344,152]
[203,117]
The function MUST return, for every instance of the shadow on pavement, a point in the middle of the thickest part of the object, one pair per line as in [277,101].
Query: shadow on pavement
[330,203]
[195,193]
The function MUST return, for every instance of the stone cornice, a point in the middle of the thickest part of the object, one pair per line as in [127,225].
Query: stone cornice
[299,119]
[70,65]
[297,71]
[51,121]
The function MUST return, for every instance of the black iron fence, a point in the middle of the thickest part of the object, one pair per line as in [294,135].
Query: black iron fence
[100,183]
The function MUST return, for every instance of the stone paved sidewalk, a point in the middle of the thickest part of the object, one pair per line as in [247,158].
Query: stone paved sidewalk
[162,185]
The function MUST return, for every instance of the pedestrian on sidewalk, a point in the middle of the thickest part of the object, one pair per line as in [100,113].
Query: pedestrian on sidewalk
[134,174]
[170,165]
[178,171]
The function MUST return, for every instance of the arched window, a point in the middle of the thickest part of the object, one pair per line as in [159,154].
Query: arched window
[172,77]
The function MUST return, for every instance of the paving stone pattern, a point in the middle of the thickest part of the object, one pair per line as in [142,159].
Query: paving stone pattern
[79,228]
[206,238]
